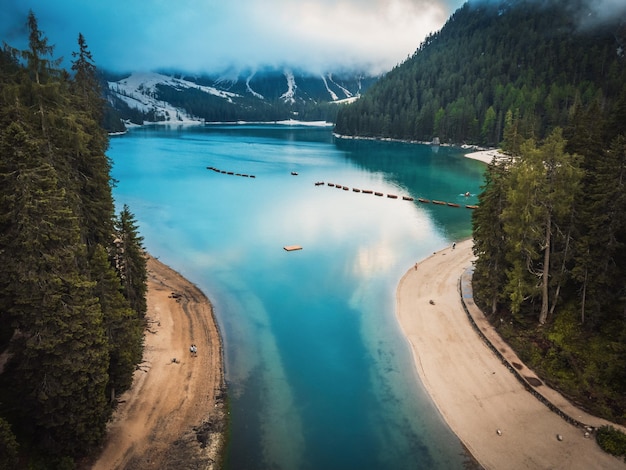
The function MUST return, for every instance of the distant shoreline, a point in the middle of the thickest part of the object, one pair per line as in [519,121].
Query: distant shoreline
[192,123]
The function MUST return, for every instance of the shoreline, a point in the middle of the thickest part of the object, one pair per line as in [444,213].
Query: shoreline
[498,421]
[486,156]
[175,412]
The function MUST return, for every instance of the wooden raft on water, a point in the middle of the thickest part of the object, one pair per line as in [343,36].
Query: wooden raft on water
[292,247]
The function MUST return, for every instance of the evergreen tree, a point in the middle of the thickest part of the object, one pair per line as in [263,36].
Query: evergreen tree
[130,261]
[58,368]
[87,143]
[123,328]
[8,447]
[71,335]
[544,183]
[489,237]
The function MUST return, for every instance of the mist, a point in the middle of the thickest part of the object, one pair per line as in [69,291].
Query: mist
[212,36]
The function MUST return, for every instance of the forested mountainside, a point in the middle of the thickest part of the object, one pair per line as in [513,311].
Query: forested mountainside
[73,277]
[263,95]
[494,62]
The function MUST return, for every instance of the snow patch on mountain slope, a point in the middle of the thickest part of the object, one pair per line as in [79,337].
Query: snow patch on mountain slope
[345,90]
[249,88]
[289,95]
[333,96]
[140,91]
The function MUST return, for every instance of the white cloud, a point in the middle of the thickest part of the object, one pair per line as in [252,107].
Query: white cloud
[208,35]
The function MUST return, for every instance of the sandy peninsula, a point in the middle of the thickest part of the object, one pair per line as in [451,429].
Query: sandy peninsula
[174,416]
[501,423]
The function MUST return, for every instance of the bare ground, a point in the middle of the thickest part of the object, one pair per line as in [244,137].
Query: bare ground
[175,414]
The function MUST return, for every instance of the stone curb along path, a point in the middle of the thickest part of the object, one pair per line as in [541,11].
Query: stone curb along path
[548,396]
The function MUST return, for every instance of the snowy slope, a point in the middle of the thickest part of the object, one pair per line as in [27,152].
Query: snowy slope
[237,95]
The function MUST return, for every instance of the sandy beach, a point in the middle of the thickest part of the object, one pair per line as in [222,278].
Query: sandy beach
[486,406]
[175,413]
[486,156]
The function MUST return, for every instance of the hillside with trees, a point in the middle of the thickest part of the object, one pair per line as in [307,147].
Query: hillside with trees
[495,64]
[73,277]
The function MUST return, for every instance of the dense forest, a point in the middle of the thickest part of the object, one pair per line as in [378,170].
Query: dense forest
[73,278]
[495,62]
[549,235]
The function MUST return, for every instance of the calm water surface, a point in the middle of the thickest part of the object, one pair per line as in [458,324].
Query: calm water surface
[319,374]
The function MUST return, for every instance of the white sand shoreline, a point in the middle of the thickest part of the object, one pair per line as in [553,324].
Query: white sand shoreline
[472,388]
[486,156]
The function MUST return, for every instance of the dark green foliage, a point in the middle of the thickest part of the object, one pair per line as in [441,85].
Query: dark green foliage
[612,441]
[130,260]
[8,447]
[553,223]
[489,238]
[122,325]
[71,337]
[527,58]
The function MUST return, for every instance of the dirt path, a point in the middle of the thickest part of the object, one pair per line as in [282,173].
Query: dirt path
[175,413]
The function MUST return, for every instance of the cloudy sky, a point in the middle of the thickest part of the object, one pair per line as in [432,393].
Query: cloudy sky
[213,35]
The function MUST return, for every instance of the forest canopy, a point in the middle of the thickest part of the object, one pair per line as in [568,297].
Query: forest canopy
[72,316]
[496,63]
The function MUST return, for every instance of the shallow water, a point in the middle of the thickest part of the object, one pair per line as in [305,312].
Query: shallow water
[319,375]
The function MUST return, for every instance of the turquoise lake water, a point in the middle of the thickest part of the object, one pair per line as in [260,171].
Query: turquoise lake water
[319,374]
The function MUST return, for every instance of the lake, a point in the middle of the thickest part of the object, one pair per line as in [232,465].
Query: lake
[319,375]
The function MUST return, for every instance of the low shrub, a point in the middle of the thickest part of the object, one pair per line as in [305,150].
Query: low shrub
[612,440]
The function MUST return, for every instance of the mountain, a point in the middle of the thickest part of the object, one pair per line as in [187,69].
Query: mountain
[533,61]
[266,95]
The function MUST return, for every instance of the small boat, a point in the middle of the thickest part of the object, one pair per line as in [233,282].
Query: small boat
[331,184]
[407,198]
[319,183]
[471,207]
[356,190]
[345,188]
[425,201]
[378,194]
[392,196]
[294,173]
[367,191]
[453,204]
[441,203]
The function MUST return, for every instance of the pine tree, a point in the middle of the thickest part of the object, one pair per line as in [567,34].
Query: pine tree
[70,328]
[130,261]
[87,143]
[59,364]
[123,328]
[489,237]
[544,183]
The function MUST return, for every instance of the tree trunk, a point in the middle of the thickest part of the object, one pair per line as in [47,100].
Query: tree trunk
[543,316]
